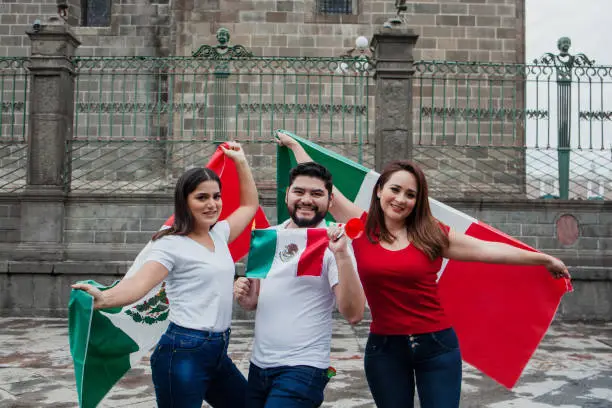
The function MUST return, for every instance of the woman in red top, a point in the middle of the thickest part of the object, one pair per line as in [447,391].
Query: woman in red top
[411,342]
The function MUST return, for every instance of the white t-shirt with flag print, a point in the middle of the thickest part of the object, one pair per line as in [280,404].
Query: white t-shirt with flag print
[293,322]
[200,282]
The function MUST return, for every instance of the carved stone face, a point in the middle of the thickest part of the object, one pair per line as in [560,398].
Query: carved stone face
[564,44]
[223,36]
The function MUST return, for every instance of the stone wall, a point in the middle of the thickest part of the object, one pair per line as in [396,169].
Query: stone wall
[10,219]
[137,27]
[470,30]
[102,235]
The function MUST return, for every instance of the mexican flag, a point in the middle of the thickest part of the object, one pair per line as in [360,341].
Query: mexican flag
[307,244]
[500,312]
[354,180]
[105,344]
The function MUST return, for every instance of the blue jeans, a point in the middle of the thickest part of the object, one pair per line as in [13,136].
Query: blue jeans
[432,361]
[191,366]
[286,387]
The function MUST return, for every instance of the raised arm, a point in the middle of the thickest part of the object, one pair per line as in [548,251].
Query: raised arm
[349,293]
[342,209]
[465,248]
[249,200]
[127,290]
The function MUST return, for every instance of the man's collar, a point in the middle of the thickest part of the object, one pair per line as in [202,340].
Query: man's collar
[322,224]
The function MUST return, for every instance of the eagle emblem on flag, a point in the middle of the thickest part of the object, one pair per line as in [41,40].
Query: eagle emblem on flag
[289,252]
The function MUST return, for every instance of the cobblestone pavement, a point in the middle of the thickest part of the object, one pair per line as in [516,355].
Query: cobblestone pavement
[571,369]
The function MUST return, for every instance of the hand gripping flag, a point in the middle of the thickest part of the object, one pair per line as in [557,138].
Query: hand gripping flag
[500,312]
[105,344]
[270,247]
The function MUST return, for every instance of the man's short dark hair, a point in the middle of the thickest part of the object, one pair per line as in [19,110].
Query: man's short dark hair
[315,170]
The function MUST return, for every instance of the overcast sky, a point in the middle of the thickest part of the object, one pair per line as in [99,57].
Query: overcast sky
[587,22]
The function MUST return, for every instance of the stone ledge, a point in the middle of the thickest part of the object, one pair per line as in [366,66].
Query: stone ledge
[584,264]
[516,203]
[34,252]
[80,268]
[119,268]
[591,273]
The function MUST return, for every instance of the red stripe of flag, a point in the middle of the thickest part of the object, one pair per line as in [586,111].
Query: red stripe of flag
[311,261]
[230,193]
[500,312]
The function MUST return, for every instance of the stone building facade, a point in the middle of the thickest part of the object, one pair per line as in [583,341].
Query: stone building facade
[461,30]
[50,237]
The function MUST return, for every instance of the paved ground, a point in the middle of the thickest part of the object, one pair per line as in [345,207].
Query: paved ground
[571,369]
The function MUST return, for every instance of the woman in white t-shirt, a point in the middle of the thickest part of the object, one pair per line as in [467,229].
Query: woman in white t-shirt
[190,363]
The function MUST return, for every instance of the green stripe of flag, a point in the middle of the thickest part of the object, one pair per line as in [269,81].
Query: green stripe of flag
[100,350]
[261,252]
[347,175]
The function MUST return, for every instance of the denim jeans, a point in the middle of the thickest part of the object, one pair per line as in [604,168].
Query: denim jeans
[431,361]
[286,387]
[191,366]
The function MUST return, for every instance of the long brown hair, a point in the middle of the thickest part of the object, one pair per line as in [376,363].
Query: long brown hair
[185,185]
[423,229]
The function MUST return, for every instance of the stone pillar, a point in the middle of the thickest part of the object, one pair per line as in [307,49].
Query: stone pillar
[393,52]
[51,113]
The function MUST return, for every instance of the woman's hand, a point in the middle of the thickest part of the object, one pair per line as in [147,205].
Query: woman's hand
[337,239]
[284,139]
[557,268]
[242,288]
[246,292]
[234,152]
[96,293]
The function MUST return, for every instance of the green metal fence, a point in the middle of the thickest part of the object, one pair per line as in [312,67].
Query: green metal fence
[140,122]
[503,130]
[13,123]
[540,130]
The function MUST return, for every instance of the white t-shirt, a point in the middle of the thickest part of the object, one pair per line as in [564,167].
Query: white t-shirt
[200,283]
[293,322]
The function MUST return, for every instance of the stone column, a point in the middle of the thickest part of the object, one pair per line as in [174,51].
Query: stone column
[51,113]
[393,52]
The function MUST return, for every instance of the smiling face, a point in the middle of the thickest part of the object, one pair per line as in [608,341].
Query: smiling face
[307,201]
[205,203]
[398,196]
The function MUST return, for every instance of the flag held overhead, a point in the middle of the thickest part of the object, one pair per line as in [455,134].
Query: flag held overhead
[499,312]
[105,344]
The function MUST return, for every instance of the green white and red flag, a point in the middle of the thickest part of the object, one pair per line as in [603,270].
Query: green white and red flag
[500,312]
[106,343]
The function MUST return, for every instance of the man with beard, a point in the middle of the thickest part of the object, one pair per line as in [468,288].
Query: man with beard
[293,322]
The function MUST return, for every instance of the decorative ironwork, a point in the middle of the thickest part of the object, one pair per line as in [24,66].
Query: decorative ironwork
[564,62]
[13,63]
[62,9]
[281,66]
[483,113]
[400,6]
[6,106]
[595,115]
[312,109]
[223,50]
[200,108]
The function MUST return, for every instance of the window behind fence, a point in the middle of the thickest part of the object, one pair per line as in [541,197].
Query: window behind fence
[335,6]
[95,13]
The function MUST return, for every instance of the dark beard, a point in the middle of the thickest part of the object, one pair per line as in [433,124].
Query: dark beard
[307,222]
